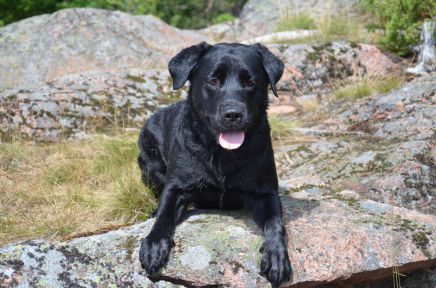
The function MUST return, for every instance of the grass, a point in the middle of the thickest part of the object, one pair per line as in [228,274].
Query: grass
[339,27]
[281,127]
[54,190]
[363,86]
[308,105]
[289,22]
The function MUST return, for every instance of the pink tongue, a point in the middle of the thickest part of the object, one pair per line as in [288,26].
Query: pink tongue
[231,140]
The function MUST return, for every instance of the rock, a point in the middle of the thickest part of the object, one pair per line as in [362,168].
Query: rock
[407,113]
[330,239]
[70,105]
[384,151]
[76,104]
[312,68]
[43,48]
[278,37]
[281,109]
[259,17]
[223,32]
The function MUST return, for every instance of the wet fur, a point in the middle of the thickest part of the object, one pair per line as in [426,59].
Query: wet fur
[180,158]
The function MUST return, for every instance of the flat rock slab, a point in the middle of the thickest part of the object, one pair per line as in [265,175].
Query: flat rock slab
[331,239]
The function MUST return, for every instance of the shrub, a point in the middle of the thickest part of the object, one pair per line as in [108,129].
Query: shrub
[400,20]
[223,18]
[183,14]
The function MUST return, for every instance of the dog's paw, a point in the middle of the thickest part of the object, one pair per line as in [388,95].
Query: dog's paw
[154,253]
[275,265]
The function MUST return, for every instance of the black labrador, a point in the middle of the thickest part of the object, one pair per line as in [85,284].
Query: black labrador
[214,149]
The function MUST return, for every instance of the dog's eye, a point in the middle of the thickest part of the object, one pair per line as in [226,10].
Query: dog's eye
[250,83]
[213,82]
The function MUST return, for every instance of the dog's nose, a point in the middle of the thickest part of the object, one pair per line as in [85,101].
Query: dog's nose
[232,116]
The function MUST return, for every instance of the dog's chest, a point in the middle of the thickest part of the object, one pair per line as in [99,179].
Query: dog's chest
[224,172]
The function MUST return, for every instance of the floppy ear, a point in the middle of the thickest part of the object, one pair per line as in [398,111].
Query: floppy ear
[181,65]
[272,64]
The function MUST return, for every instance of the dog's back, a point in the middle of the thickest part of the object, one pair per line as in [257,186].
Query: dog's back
[155,142]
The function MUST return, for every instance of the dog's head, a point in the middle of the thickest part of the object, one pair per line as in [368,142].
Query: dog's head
[229,85]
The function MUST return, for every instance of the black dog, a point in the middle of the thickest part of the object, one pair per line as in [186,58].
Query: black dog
[214,149]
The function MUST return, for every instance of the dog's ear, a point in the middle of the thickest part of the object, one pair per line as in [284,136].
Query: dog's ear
[181,65]
[272,64]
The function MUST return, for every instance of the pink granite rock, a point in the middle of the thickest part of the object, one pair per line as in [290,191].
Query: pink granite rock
[332,239]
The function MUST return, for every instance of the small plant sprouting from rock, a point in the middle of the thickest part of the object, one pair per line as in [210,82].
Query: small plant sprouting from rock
[129,245]
[420,235]
[421,240]
[136,78]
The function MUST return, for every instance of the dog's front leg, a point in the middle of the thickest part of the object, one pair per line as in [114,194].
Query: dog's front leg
[275,265]
[155,248]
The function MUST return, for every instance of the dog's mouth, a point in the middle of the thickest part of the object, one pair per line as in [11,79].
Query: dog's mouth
[231,140]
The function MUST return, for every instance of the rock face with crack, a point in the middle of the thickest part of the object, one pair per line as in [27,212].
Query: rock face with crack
[331,239]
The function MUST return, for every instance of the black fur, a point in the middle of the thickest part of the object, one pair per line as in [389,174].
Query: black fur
[181,159]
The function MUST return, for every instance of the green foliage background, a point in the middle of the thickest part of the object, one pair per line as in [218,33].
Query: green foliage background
[180,13]
[400,20]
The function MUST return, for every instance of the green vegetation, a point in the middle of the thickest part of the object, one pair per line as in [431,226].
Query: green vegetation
[329,29]
[340,28]
[400,20]
[11,11]
[395,24]
[53,190]
[295,22]
[183,14]
[360,87]
[223,18]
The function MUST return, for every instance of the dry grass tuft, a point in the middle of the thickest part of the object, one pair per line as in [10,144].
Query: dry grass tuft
[289,22]
[281,127]
[363,86]
[55,189]
[331,28]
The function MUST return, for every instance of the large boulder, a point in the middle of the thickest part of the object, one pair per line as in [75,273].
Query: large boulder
[331,239]
[43,48]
